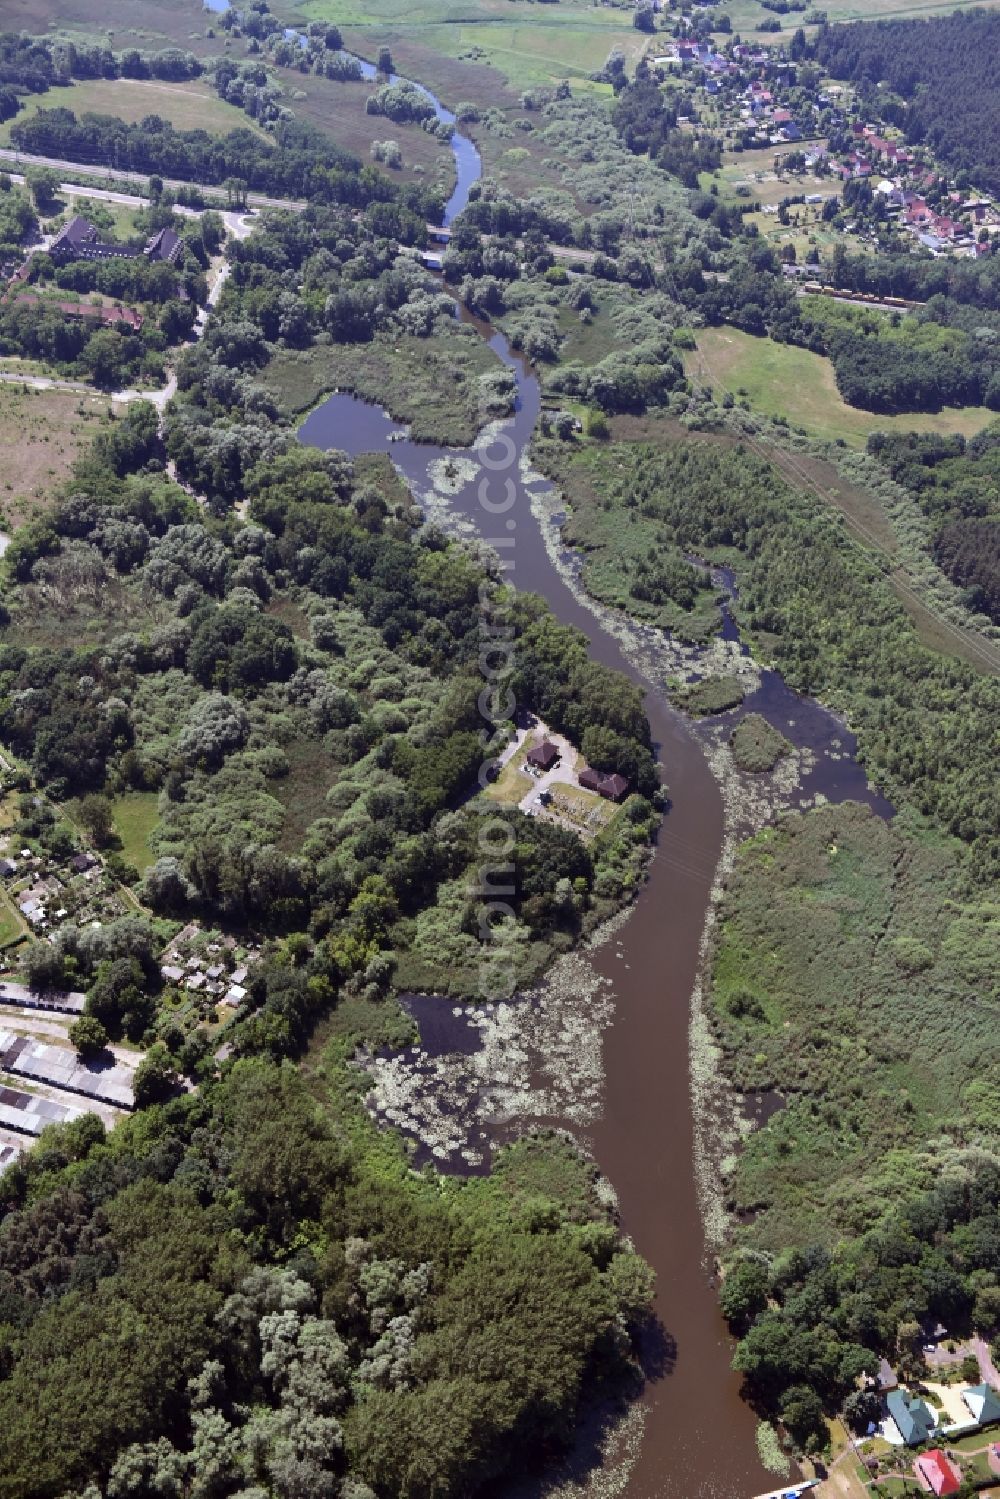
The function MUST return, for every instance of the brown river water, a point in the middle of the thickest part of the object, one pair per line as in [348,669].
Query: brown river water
[698,1437]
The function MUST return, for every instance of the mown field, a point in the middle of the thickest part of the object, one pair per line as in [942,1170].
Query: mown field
[136,818]
[785,380]
[188,106]
[41,433]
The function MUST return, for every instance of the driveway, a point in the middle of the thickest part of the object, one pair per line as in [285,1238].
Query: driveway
[987,1367]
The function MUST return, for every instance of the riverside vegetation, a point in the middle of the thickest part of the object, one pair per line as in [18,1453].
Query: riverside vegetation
[867,1205]
[299,686]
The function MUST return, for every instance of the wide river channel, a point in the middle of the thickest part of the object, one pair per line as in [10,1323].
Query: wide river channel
[698,1438]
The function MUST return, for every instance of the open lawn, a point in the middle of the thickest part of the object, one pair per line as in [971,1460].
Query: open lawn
[114,219]
[136,817]
[189,106]
[755,171]
[784,380]
[41,433]
[513,783]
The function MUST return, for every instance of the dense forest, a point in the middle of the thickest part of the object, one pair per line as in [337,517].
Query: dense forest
[247,1291]
[958,486]
[941,77]
[647,124]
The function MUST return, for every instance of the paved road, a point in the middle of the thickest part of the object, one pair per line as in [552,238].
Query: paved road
[78,169]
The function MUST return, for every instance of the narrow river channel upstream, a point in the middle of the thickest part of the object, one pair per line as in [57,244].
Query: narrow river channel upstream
[697,1438]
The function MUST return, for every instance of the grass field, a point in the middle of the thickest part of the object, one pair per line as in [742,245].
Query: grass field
[41,432]
[746,14]
[188,106]
[139,23]
[338,109]
[784,380]
[568,40]
[135,818]
[513,783]
[11,925]
[112,218]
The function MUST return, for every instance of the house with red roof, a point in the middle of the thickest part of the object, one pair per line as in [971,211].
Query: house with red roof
[936,1473]
[918,213]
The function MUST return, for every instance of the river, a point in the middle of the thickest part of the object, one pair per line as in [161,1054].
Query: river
[698,1437]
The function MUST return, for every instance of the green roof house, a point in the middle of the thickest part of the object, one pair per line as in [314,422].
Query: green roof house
[914,1419]
[984,1403]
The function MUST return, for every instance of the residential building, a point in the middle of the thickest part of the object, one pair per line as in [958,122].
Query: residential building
[937,1473]
[983,1403]
[610,785]
[543,756]
[914,1420]
[80,240]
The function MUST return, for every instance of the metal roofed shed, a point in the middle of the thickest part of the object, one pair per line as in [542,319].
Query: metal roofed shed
[68,1002]
[60,1067]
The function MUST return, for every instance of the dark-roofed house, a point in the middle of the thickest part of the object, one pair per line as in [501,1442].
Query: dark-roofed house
[886,1377]
[914,1419]
[165,245]
[543,756]
[79,240]
[611,785]
[983,1402]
